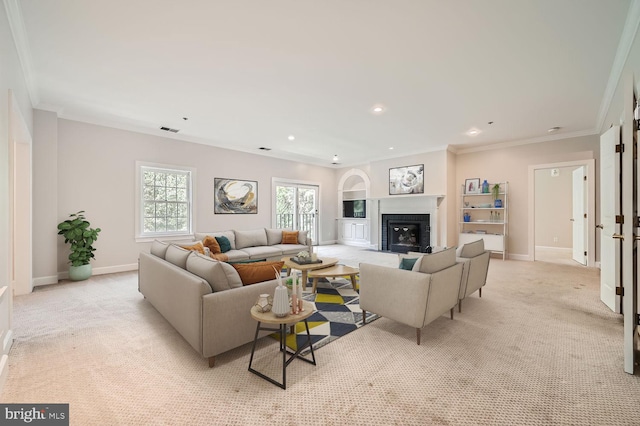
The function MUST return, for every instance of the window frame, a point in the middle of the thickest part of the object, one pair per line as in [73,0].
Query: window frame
[140,235]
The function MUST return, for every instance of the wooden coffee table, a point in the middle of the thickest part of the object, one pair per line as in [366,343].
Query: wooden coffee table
[334,271]
[290,264]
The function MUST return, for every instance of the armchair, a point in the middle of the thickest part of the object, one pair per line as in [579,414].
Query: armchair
[415,297]
[476,265]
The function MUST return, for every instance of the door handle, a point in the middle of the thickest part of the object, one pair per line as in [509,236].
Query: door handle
[599,226]
[617,237]
[572,220]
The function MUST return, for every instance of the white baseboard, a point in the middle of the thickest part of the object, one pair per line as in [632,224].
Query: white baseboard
[104,270]
[564,249]
[52,279]
[512,256]
[327,243]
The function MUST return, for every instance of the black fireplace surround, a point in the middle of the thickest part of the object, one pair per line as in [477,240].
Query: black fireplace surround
[402,233]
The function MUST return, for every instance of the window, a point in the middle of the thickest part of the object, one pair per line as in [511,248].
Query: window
[165,201]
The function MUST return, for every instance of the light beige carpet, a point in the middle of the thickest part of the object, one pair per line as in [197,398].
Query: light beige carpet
[538,348]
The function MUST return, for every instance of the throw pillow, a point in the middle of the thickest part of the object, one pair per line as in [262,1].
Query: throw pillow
[289,237]
[225,244]
[415,259]
[408,263]
[302,237]
[472,249]
[212,243]
[432,263]
[195,247]
[251,273]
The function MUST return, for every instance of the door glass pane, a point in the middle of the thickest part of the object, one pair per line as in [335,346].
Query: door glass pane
[307,211]
[285,207]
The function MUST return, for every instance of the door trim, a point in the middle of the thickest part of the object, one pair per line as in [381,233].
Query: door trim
[589,165]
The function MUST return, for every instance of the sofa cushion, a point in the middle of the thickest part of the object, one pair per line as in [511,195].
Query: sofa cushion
[251,273]
[290,249]
[212,244]
[225,244]
[289,237]
[197,246]
[262,251]
[159,248]
[274,236]
[434,262]
[177,255]
[410,262]
[253,238]
[472,249]
[231,236]
[302,237]
[219,275]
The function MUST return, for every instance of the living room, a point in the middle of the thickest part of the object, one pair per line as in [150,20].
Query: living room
[84,164]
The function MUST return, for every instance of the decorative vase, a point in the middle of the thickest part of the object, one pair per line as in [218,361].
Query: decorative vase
[485,187]
[264,303]
[280,306]
[497,203]
[80,273]
[467,217]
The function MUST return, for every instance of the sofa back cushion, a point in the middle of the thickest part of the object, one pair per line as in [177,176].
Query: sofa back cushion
[252,238]
[177,255]
[220,275]
[257,272]
[159,248]
[472,249]
[434,262]
[274,236]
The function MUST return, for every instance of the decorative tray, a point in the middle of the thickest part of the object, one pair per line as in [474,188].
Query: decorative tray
[307,261]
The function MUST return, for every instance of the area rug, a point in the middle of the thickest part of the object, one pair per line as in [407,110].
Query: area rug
[337,313]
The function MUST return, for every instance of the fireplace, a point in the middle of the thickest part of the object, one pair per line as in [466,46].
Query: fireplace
[402,233]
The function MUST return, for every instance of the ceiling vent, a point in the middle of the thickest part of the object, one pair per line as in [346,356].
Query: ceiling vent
[264,148]
[169,129]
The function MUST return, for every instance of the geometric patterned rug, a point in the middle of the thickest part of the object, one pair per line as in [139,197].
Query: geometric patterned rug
[337,313]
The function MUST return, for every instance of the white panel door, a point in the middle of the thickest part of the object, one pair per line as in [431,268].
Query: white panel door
[610,254]
[578,219]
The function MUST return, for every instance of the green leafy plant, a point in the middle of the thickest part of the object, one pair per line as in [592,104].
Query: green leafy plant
[77,232]
[495,191]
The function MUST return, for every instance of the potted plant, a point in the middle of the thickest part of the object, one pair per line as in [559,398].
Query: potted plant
[495,191]
[77,232]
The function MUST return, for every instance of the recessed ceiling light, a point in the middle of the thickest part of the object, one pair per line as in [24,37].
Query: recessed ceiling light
[390,147]
[473,132]
[553,129]
[264,148]
[335,158]
[378,109]
[291,137]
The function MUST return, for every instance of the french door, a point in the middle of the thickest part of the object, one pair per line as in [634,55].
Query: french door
[296,207]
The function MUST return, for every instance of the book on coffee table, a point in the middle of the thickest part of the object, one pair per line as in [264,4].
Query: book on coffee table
[304,261]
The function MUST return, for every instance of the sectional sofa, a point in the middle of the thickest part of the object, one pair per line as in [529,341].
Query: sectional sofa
[206,300]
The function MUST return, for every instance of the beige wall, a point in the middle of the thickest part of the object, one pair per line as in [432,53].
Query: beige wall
[512,164]
[554,208]
[96,173]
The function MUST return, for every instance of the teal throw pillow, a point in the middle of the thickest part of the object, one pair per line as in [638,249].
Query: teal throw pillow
[407,263]
[224,243]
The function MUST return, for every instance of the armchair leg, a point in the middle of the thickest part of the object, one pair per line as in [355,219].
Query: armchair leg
[418,335]
[212,361]
[459,305]
[364,317]
[480,292]
[451,313]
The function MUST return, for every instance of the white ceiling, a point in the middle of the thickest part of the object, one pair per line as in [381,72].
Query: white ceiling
[249,73]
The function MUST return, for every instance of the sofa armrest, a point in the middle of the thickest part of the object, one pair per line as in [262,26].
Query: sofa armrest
[226,320]
[475,273]
[444,291]
[397,294]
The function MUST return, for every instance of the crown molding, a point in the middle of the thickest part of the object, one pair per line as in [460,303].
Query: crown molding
[624,47]
[510,144]
[19,32]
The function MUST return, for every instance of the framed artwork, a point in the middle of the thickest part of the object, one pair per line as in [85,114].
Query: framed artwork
[472,186]
[235,196]
[406,180]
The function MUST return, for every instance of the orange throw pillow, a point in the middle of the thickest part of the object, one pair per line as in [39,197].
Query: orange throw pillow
[212,243]
[257,272]
[196,247]
[289,237]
